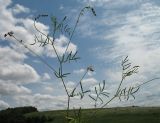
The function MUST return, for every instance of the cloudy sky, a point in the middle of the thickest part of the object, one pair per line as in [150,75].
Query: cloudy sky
[121,28]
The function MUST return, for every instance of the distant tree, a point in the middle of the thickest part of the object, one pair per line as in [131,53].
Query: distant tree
[15,115]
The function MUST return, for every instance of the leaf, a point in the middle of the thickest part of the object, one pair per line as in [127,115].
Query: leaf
[100,87]
[72,93]
[60,73]
[96,91]
[126,59]
[100,100]
[65,28]
[118,92]
[103,85]
[65,17]
[56,74]
[75,54]
[65,74]
[119,98]
[123,92]
[132,92]
[126,66]
[105,94]
[81,86]
[54,21]
[5,35]
[93,11]
[92,97]
[87,91]
[70,119]
[81,94]
[133,96]
[35,40]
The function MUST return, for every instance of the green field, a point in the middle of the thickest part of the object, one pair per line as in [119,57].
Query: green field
[109,115]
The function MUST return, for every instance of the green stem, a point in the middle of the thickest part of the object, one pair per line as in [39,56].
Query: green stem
[40,58]
[52,43]
[79,82]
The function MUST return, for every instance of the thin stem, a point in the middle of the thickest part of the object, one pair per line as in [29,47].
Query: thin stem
[103,105]
[44,61]
[68,106]
[108,101]
[116,92]
[52,43]
[147,82]
[74,28]
[40,58]
[56,54]
[65,86]
[73,32]
[79,81]
[120,82]
[96,102]
[60,64]
[119,86]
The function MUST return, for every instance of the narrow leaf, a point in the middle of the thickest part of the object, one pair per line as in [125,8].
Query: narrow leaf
[92,97]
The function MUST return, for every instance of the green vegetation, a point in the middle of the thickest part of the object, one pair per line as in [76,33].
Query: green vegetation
[109,115]
[15,115]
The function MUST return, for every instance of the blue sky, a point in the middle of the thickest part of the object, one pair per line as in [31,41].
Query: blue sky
[121,28]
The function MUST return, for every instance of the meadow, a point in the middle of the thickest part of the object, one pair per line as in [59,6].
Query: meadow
[107,115]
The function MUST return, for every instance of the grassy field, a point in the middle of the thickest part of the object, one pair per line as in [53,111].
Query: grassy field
[110,115]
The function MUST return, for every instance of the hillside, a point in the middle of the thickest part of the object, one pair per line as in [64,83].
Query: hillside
[109,115]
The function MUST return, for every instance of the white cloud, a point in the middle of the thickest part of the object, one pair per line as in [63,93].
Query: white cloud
[138,37]
[5,3]
[128,28]
[14,72]
[130,33]
[3,105]
[8,56]
[39,101]
[13,69]
[46,76]
[89,81]
[113,75]
[18,73]
[112,3]
[53,102]
[80,71]
[60,46]
[135,35]
[12,89]
[61,7]
[70,86]
[20,9]
[23,29]
[48,89]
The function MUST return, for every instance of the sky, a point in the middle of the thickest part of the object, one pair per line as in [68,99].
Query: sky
[121,28]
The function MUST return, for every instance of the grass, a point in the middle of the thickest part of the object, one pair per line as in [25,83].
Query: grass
[108,115]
